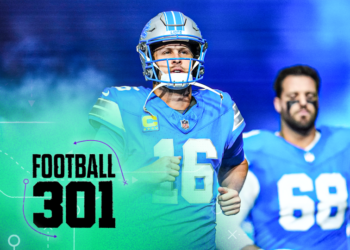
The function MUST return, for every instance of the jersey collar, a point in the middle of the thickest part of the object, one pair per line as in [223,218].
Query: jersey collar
[308,147]
[192,116]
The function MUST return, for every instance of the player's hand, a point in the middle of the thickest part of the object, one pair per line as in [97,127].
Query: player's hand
[229,201]
[164,169]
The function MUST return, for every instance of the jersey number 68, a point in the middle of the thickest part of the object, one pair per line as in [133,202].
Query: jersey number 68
[331,193]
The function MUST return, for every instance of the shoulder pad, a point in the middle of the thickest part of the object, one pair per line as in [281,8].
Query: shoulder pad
[336,130]
[229,104]
[126,95]
[215,98]
[257,140]
[213,101]
[107,109]
[339,136]
[216,107]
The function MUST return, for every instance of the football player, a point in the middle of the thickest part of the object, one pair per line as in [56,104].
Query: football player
[297,189]
[174,143]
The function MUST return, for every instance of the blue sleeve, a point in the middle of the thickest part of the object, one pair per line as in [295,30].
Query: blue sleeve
[237,124]
[233,155]
[106,111]
[111,138]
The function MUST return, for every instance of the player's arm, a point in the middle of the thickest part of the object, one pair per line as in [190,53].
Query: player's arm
[248,195]
[231,176]
[225,224]
[147,178]
[234,177]
[233,167]
[116,142]
[107,118]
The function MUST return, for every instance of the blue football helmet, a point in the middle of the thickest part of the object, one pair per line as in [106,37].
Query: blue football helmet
[167,27]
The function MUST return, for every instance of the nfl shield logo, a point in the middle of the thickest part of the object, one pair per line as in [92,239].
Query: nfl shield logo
[185,124]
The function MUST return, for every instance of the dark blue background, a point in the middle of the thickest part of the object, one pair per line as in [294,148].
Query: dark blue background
[73,49]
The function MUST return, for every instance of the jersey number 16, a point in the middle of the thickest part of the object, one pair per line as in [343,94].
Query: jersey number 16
[189,172]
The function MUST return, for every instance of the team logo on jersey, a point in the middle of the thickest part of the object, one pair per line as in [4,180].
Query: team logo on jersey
[150,123]
[185,124]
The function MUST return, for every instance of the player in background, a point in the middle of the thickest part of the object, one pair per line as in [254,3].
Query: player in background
[173,143]
[297,189]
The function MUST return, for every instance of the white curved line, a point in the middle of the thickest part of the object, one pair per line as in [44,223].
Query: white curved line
[21,197]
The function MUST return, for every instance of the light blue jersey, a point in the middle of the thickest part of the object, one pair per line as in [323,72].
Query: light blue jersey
[182,213]
[304,195]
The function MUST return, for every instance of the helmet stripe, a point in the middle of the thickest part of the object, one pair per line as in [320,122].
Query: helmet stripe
[166,21]
[170,20]
[178,20]
[173,14]
[174,18]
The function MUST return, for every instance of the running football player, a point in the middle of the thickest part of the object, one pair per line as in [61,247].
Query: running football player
[174,143]
[297,189]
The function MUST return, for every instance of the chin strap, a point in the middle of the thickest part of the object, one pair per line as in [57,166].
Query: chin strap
[208,88]
[194,84]
[155,65]
[157,87]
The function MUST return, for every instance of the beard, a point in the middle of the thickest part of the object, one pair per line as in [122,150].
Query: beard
[303,126]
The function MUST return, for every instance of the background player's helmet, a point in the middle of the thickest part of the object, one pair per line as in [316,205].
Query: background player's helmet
[167,27]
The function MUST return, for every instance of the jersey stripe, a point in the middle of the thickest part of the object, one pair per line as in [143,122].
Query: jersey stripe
[166,21]
[238,118]
[108,111]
